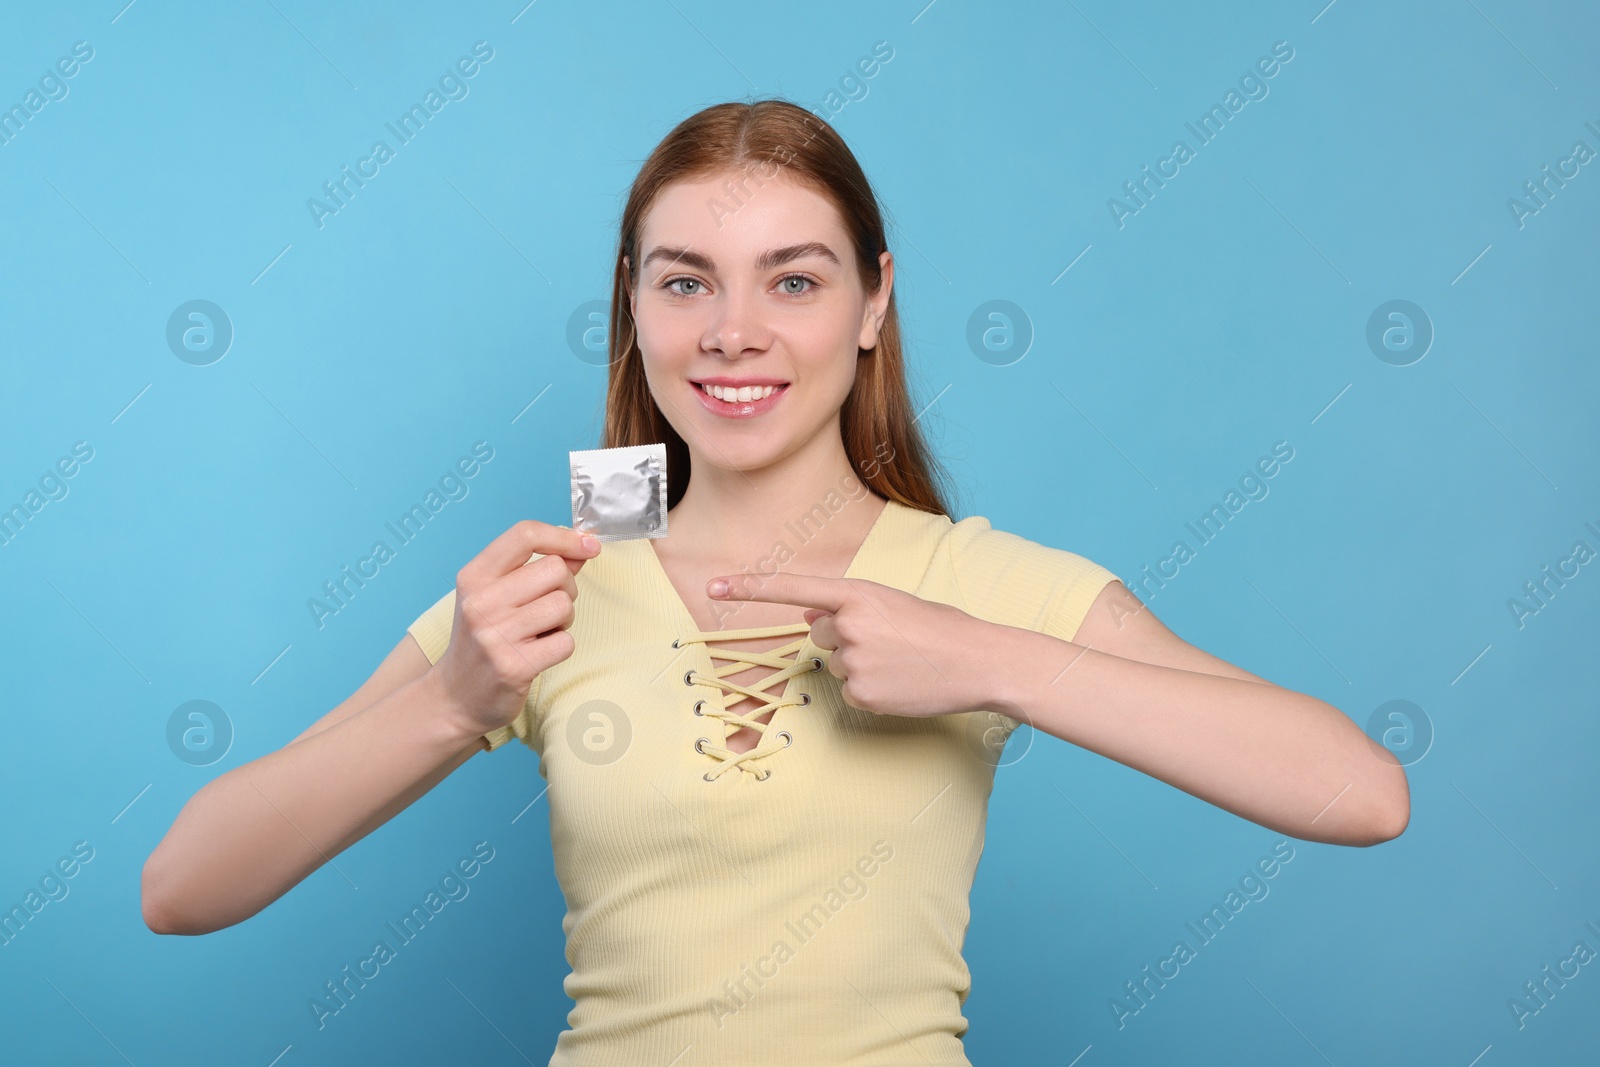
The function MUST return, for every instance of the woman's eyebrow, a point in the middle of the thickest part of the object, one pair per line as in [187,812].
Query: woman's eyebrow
[766,261]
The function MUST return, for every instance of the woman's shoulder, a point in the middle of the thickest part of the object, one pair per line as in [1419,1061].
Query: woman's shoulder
[974,540]
[1012,579]
[973,534]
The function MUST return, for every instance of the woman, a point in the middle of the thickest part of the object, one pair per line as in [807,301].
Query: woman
[768,857]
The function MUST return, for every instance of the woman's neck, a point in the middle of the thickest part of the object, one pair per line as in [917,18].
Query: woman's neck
[729,515]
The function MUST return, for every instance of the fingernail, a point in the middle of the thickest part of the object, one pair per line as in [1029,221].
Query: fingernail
[718,587]
[590,542]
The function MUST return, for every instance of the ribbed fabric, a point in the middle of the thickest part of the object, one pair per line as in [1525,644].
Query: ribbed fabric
[814,916]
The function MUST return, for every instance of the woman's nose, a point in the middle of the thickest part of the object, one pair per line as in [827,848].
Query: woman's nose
[736,323]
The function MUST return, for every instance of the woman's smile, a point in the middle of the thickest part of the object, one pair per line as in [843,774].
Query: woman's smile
[745,402]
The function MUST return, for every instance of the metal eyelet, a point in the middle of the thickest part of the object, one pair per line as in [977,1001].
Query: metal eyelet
[805,698]
[763,777]
[686,680]
[816,664]
[788,738]
[707,776]
[700,742]
[674,642]
[697,704]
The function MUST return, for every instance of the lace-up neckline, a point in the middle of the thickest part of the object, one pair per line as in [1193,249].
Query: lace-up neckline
[717,708]
[771,739]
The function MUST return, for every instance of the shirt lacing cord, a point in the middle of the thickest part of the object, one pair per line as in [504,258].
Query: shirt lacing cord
[717,709]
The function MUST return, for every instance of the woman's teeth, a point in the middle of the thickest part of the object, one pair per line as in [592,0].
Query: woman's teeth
[740,396]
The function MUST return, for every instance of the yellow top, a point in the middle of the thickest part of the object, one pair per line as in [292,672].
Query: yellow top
[806,901]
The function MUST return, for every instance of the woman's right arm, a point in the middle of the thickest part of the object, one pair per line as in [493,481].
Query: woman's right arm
[253,833]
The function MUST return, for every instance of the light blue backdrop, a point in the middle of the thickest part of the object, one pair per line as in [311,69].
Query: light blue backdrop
[1150,355]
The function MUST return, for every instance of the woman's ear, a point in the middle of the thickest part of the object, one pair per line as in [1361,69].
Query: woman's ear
[877,304]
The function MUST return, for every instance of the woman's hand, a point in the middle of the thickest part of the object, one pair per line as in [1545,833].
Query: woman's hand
[896,653]
[511,620]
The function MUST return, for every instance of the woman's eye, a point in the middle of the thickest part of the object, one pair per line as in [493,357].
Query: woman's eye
[801,278]
[681,281]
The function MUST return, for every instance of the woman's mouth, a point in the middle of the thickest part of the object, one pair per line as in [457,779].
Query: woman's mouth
[756,400]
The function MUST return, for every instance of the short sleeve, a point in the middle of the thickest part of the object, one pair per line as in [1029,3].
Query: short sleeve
[1005,578]
[432,632]
[1000,577]
[1078,582]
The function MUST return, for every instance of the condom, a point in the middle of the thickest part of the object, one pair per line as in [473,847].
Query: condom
[619,494]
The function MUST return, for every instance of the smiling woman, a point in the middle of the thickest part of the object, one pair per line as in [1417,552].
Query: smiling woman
[698,807]
[706,784]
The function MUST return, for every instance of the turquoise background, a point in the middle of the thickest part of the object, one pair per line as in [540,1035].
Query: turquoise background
[1136,388]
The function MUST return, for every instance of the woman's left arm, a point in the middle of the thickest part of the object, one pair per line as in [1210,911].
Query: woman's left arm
[1132,690]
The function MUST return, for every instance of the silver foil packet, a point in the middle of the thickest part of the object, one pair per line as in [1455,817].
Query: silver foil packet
[620,493]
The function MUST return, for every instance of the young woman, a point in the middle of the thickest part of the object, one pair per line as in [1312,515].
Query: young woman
[766,832]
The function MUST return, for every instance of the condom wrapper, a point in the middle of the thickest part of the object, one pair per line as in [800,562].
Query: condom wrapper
[619,494]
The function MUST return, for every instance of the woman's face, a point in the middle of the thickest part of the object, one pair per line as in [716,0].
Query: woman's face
[760,292]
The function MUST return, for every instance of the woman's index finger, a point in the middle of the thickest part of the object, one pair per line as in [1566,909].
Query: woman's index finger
[523,543]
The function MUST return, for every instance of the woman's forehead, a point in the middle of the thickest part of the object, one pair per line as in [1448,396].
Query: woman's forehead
[733,220]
